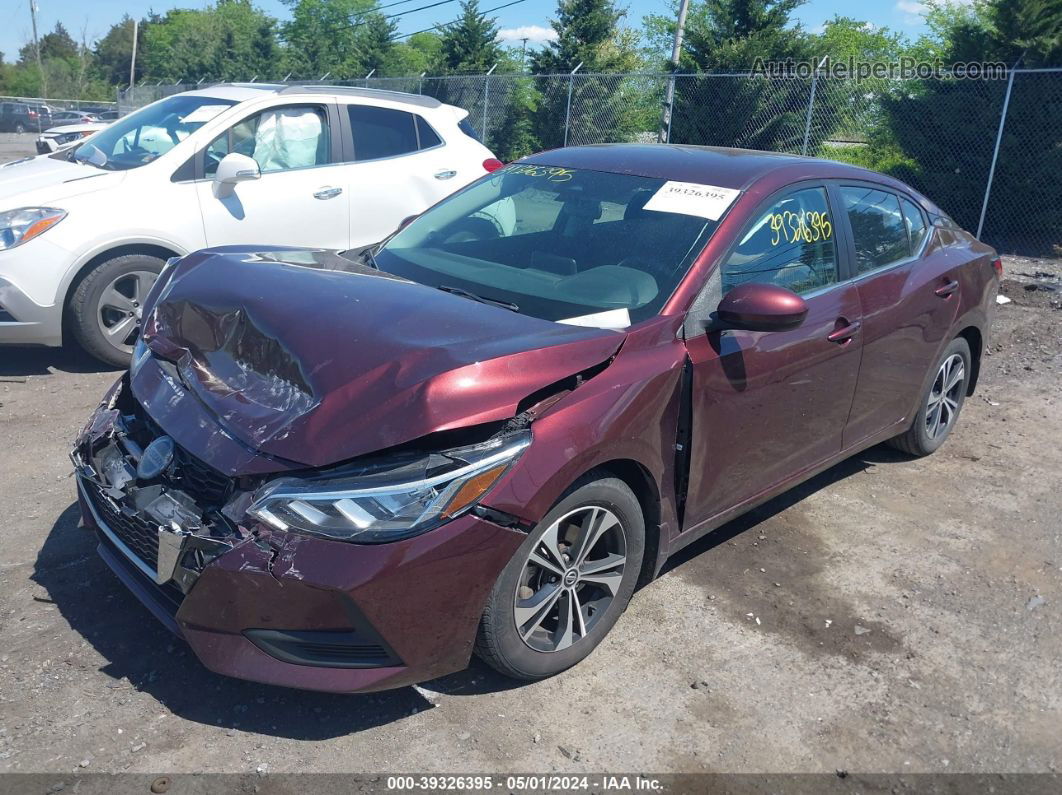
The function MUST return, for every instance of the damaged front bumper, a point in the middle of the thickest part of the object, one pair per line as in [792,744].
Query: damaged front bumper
[279,607]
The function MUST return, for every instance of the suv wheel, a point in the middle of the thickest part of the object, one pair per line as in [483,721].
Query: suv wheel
[105,308]
[568,584]
[20,128]
[941,404]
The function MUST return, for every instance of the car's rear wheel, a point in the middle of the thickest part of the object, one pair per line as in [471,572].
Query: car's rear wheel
[20,128]
[941,403]
[105,308]
[568,584]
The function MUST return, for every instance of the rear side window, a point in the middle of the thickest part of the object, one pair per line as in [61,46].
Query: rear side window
[466,127]
[381,132]
[916,225]
[791,245]
[878,228]
[426,135]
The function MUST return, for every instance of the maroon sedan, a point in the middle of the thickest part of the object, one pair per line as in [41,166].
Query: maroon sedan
[348,473]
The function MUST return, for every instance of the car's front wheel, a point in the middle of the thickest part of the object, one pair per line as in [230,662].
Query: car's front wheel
[568,584]
[941,403]
[104,311]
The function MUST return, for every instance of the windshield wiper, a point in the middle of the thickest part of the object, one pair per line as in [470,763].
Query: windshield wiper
[461,291]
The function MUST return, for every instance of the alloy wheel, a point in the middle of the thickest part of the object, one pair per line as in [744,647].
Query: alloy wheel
[943,403]
[570,578]
[120,305]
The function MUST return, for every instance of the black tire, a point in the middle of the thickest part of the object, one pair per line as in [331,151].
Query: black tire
[919,440]
[84,309]
[20,128]
[499,642]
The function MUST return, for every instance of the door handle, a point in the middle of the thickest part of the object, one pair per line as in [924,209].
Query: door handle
[947,289]
[327,193]
[845,333]
[447,174]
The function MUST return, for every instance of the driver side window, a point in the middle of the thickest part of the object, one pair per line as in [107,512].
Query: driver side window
[791,245]
[278,139]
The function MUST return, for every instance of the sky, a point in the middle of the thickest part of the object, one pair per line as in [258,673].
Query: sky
[527,18]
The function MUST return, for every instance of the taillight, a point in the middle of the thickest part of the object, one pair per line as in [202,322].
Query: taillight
[997,263]
[32,114]
[492,164]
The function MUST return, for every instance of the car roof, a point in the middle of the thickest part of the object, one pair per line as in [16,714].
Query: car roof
[241,92]
[708,165]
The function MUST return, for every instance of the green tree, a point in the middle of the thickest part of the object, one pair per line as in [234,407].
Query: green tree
[729,36]
[588,32]
[57,44]
[470,45]
[322,37]
[948,127]
[375,44]
[115,49]
[231,40]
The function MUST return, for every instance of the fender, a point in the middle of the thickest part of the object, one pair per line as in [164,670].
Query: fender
[75,269]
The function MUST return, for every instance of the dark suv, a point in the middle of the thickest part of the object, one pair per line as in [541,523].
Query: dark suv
[20,117]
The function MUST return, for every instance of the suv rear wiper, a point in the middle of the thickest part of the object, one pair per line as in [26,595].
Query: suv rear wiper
[461,291]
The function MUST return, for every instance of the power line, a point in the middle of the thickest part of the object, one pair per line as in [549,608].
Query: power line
[413,10]
[455,21]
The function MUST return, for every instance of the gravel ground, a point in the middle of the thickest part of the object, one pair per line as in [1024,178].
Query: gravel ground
[891,615]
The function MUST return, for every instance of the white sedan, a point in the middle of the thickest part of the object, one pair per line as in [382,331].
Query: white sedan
[85,231]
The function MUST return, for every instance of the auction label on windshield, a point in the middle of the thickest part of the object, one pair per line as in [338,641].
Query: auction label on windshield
[691,198]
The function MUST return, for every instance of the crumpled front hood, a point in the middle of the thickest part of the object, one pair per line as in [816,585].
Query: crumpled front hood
[42,180]
[313,358]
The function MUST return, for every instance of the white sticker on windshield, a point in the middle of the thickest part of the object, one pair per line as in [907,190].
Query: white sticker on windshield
[203,114]
[610,319]
[691,198]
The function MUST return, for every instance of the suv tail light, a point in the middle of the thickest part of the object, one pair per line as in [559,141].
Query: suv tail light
[32,114]
[997,263]
[492,164]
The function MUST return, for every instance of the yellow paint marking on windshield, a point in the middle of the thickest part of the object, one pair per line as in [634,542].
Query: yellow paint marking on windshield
[807,226]
[550,173]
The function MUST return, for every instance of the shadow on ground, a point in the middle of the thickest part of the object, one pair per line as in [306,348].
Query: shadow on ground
[773,578]
[16,361]
[141,655]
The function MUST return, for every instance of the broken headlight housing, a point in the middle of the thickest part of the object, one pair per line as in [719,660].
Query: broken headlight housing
[391,499]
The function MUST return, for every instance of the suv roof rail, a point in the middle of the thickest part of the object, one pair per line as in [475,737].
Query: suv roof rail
[368,93]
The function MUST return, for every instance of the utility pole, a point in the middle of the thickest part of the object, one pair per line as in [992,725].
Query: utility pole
[523,54]
[37,50]
[664,136]
[132,58]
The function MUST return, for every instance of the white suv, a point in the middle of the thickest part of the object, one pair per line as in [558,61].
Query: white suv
[84,232]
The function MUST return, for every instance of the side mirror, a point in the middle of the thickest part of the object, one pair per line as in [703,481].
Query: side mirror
[232,169]
[761,307]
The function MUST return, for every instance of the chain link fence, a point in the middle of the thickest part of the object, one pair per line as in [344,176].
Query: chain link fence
[989,152]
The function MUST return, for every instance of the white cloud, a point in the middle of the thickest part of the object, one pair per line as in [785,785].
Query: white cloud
[535,34]
[914,11]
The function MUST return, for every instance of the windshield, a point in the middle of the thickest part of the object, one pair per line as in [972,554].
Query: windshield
[148,133]
[561,244]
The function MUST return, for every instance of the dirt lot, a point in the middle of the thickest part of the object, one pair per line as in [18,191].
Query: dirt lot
[891,615]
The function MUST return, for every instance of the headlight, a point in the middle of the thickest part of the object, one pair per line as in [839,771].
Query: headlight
[388,501]
[18,226]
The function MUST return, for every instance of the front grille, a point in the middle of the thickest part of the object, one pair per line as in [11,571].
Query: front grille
[202,482]
[140,536]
